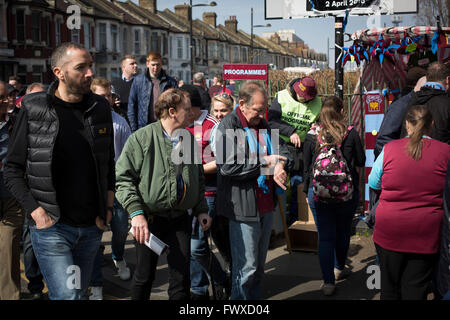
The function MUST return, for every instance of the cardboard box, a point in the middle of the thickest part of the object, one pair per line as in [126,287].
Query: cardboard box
[303,233]
[303,236]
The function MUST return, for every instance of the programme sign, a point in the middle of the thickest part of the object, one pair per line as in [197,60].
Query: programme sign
[245,71]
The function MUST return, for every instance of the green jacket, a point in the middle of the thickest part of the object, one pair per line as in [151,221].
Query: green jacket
[146,178]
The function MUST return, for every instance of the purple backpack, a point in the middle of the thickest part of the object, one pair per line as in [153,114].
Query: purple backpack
[332,180]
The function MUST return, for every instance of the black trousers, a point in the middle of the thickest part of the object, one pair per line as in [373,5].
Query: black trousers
[221,235]
[177,234]
[405,276]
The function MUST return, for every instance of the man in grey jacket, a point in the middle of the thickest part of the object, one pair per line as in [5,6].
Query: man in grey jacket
[250,168]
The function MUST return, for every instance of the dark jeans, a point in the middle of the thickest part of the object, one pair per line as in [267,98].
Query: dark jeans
[295,181]
[119,228]
[334,224]
[177,234]
[405,276]
[201,261]
[32,271]
[220,232]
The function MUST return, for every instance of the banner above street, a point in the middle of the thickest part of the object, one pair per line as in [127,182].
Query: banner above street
[321,5]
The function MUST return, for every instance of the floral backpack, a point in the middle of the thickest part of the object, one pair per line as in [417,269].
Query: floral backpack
[332,180]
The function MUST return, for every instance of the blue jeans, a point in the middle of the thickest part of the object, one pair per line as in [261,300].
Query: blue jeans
[66,256]
[249,245]
[119,228]
[293,205]
[334,224]
[200,263]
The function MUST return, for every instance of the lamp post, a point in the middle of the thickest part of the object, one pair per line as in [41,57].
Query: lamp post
[251,34]
[211,4]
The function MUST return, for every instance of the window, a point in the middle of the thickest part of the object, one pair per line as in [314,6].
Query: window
[197,48]
[58,31]
[180,75]
[170,47]
[235,54]
[76,35]
[102,35]
[164,44]
[210,50]
[147,41]
[188,49]
[222,51]
[37,73]
[114,37]
[154,41]
[47,30]
[124,41]
[22,73]
[103,72]
[137,42]
[180,48]
[87,35]
[36,26]
[115,73]
[20,24]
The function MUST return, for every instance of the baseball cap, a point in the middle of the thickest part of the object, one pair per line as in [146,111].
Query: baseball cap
[194,94]
[306,88]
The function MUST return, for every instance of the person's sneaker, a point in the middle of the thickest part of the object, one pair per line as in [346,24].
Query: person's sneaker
[123,270]
[96,293]
[328,288]
[341,274]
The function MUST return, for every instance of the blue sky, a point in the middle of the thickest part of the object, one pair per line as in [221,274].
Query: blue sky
[313,31]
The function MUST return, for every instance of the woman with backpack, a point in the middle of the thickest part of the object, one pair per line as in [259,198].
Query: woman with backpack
[411,174]
[332,151]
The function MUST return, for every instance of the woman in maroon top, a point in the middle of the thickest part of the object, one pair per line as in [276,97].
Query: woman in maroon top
[411,175]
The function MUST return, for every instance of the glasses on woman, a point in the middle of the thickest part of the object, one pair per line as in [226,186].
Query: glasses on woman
[224,95]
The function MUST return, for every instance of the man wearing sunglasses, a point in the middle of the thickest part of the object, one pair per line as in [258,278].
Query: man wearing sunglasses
[292,112]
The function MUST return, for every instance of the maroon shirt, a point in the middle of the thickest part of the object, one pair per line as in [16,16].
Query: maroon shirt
[409,215]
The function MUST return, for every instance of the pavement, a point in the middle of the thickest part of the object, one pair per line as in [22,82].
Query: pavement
[288,276]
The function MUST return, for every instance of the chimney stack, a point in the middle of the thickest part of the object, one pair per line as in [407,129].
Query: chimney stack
[150,5]
[210,18]
[275,38]
[231,24]
[182,10]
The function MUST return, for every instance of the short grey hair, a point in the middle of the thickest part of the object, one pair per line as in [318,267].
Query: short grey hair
[198,77]
[248,89]
[34,85]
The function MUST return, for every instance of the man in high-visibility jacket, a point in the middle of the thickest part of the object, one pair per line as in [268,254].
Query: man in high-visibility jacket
[292,112]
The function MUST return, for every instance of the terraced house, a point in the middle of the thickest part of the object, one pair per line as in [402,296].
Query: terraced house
[110,29]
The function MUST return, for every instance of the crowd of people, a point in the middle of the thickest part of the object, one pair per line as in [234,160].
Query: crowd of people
[188,164]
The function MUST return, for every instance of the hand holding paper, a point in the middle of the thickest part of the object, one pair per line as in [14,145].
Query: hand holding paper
[154,243]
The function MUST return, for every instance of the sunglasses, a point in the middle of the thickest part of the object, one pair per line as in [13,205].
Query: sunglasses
[224,95]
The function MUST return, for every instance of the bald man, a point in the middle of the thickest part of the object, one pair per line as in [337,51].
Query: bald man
[60,167]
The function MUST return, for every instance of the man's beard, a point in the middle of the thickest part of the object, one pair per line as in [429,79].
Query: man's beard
[75,88]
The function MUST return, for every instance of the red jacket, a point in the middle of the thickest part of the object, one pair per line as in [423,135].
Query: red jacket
[409,214]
